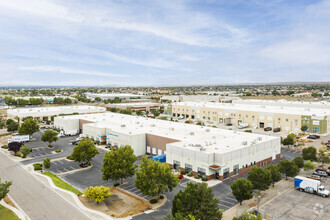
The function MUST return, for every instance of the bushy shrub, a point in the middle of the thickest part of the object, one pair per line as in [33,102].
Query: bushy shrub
[196,177]
[5,147]
[248,131]
[183,172]
[153,201]
[116,184]
[204,178]
[58,151]
[46,163]
[161,197]
[189,174]
[18,154]
[37,166]
[69,157]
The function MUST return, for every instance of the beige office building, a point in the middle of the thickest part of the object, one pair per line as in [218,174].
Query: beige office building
[288,118]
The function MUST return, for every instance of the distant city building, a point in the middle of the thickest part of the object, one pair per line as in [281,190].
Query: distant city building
[136,106]
[112,96]
[45,113]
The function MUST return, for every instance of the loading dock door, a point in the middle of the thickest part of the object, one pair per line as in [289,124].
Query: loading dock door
[261,125]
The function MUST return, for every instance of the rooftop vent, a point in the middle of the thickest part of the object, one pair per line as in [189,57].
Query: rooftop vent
[153,125]
[202,149]
[244,143]
[259,138]
[172,129]
[207,130]
[191,133]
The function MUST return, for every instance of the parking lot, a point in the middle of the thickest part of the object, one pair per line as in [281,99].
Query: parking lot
[63,166]
[298,205]
[40,152]
[130,187]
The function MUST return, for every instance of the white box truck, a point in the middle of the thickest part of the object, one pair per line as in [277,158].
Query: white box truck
[20,138]
[71,132]
[310,185]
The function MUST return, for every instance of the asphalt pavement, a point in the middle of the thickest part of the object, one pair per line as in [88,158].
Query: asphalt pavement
[37,199]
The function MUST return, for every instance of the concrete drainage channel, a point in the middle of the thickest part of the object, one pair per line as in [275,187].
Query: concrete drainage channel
[131,188]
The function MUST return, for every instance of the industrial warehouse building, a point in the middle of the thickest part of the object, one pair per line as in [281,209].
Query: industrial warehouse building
[289,117]
[143,106]
[111,96]
[216,153]
[45,113]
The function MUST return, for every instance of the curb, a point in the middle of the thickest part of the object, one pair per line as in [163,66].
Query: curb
[18,211]
[75,198]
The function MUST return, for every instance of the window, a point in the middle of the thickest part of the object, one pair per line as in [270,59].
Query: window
[246,116]
[201,171]
[239,115]
[252,116]
[226,173]
[316,130]
[286,120]
[173,114]
[235,169]
[188,168]
[203,117]
[208,118]
[221,120]
[193,116]
[176,165]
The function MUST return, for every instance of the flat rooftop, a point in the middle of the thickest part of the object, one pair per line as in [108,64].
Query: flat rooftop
[104,95]
[190,136]
[133,104]
[262,108]
[49,111]
[320,104]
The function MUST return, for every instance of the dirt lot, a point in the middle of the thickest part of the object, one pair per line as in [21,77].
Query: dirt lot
[119,204]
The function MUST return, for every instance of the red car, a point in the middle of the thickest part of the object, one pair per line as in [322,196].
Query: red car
[180,176]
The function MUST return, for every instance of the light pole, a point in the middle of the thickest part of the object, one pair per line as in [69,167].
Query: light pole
[259,198]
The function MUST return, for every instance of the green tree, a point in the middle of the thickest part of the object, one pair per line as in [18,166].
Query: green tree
[138,112]
[154,178]
[260,178]
[275,92]
[249,216]
[198,201]
[28,127]
[304,128]
[46,163]
[25,150]
[289,168]
[119,164]
[299,161]
[323,158]
[309,165]
[242,189]
[179,216]
[275,173]
[98,99]
[12,126]
[4,189]
[288,141]
[84,151]
[309,153]
[49,136]
[97,193]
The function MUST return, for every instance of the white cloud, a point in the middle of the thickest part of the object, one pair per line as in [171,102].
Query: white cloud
[56,69]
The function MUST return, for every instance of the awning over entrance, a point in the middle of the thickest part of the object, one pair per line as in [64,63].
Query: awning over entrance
[214,167]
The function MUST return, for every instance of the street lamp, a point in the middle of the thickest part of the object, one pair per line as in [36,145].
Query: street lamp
[259,198]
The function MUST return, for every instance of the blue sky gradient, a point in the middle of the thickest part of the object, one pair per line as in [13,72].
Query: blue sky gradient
[163,43]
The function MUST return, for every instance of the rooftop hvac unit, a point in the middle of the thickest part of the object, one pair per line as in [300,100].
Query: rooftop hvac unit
[207,130]
[137,122]
[202,149]
[198,145]
[254,142]
[153,125]
[191,133]
[259,138]
[244,143]
[172,129]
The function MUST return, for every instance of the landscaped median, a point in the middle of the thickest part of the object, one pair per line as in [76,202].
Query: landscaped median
[61,183]
[7,214]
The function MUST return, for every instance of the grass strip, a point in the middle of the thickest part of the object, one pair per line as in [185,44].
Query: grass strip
[7,214]
[61,183]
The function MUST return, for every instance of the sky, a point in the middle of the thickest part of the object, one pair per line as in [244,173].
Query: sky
[163,43]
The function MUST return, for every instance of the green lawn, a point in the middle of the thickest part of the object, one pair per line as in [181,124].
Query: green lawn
[61,183]
[7,214]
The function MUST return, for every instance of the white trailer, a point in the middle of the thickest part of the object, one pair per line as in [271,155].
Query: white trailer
[20,138]
[243,125]
[310,185]
[71,132]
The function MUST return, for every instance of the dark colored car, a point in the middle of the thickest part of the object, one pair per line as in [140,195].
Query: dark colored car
[325,170]
[314,135]
[321,173]
[75,142]
[277,129]
[267,129]
[311,137]
[83,165]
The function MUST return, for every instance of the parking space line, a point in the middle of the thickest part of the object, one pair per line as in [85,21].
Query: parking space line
[54,162]
[231,199]
[228,202]
[225,206]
